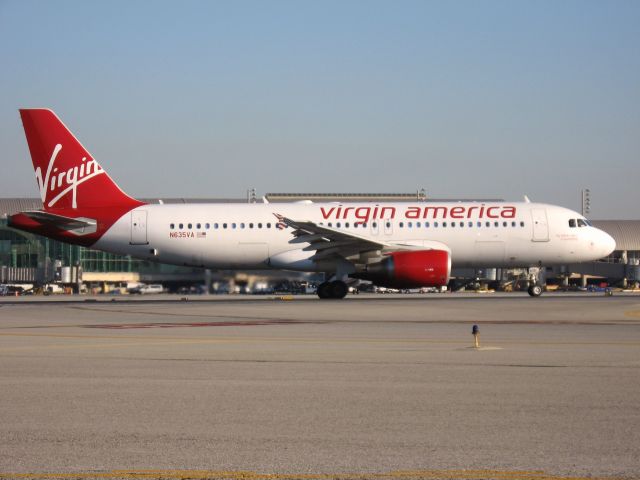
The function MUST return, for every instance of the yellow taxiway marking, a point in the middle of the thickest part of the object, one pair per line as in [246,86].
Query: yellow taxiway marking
[322,340]
[633,313]
[138,341]
[149,340]
[247,475]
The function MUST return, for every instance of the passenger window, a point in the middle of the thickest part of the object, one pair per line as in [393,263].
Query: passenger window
[488,224]
[522,224]
[470,224]
[572,223]
[346,225]
[181,226]
[242,225]
[190,226]
[479,224]
[435,224]
[233,225]
[198,226]
[251,225]
[329,224]
[444,224]
[259,225]
[338,224]
[497,224]
[453,224]
[401,225]
[364,225]
[374,224]
[409,224]
[426,224]
[215,225]
[462,224]
[224,225]
[513,224]
[504,224]
[207,226]
[388,224]
[268,225]
[172,226]
[417,224]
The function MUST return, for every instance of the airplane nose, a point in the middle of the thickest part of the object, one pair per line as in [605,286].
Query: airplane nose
[608,244]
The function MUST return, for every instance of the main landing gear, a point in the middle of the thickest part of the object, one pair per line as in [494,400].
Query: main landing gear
[336,289]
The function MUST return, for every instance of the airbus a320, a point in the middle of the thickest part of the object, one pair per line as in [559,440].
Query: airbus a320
[398,245]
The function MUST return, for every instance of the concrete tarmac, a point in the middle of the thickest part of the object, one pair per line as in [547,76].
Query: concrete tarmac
[368,387]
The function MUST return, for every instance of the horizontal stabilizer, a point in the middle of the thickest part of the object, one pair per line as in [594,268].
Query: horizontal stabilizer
[77,225]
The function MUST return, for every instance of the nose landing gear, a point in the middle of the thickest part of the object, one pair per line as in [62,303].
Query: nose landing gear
[535,290]
[535,275]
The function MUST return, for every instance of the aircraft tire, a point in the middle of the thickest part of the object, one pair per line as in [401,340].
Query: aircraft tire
[335,290]
[535,290]
[324,290]
[338,289]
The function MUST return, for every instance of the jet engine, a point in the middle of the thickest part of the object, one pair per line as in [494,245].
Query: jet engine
[409,269]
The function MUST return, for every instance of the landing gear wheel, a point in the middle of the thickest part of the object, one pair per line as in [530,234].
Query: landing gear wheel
[324,290]
[336,289]
[535,290]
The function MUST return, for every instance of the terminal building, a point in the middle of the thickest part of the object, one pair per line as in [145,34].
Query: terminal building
[30,259]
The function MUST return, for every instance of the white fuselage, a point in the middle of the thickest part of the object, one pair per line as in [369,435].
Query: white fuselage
[249,236]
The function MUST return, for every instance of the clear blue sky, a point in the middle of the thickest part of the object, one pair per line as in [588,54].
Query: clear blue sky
[468,98]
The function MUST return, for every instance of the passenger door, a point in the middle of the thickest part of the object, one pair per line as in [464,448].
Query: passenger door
[540,225]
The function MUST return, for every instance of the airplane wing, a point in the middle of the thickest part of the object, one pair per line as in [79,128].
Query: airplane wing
[329,242]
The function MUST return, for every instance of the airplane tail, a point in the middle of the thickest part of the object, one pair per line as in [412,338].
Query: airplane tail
[68,177]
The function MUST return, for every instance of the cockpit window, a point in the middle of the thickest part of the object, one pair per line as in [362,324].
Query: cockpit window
[572,223]
[582,223]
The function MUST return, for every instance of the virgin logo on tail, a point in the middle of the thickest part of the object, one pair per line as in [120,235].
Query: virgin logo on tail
[63,182]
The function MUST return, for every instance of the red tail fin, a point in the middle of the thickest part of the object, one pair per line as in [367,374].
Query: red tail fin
[68,177]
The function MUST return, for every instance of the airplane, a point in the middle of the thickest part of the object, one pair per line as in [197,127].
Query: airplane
[396,245]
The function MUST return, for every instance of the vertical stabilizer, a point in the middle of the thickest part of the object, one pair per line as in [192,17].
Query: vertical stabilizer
[68,176]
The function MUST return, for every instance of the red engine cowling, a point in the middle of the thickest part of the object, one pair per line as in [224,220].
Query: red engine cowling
[412,269]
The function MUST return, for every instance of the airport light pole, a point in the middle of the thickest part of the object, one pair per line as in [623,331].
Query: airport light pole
[586,201]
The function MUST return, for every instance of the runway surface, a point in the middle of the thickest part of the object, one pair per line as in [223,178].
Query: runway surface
[368,387]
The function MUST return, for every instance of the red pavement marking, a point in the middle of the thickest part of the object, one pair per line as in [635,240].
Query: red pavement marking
[124,326]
